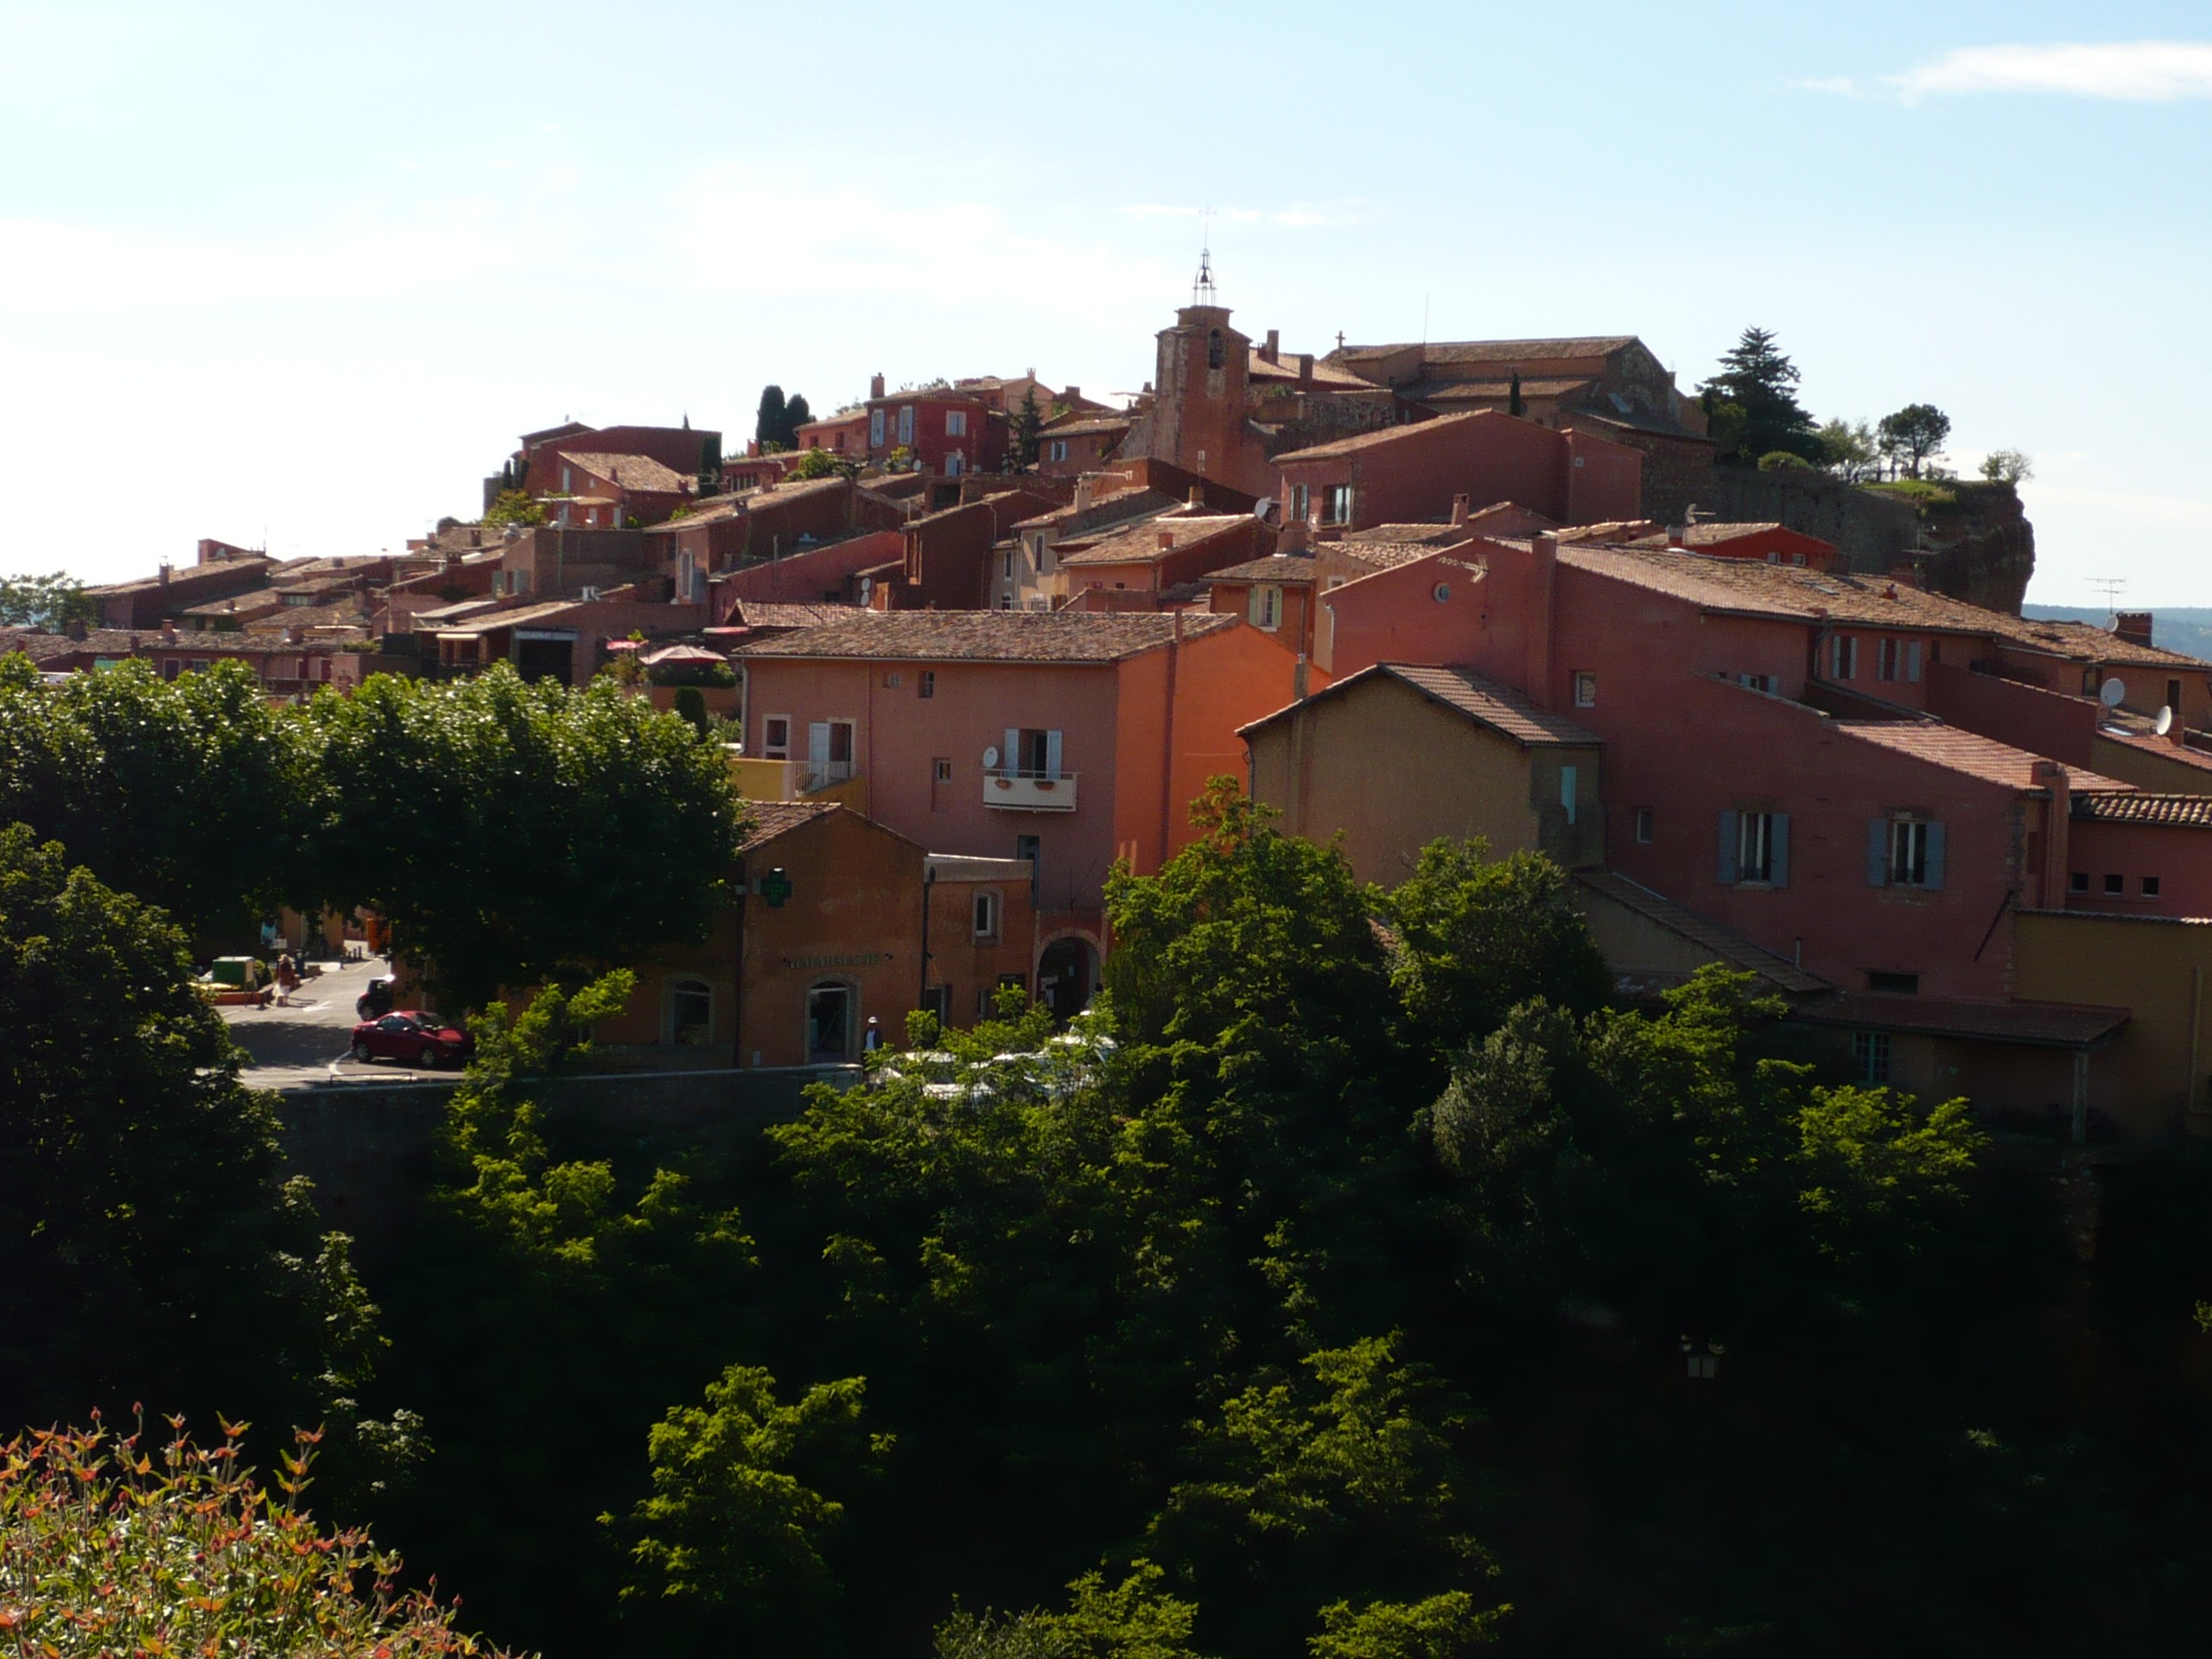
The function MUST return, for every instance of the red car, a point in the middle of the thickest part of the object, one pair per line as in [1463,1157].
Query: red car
[412,1037]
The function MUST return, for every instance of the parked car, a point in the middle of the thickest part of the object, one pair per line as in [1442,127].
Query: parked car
[414,1038]
[375,1002]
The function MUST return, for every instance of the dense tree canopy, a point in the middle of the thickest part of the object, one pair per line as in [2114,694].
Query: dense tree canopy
[1914,435]
[513,832]
[1753,401]
[51,601]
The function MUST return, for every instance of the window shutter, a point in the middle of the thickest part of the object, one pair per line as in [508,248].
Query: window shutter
[1052,754]
[1728,849]
[1878,852]
[1010,756]
[1912,660]
[817,742]
[1778,863]
[1935,856]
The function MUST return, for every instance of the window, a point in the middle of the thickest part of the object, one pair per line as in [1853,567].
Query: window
[199,664]
[1644,826]
[2078,882]
[1870,1055]
[1755,848]
[1031,753]
[1843,657]
[1897,659]
[1756,681]
[1569,777]
[893,681]
[1266,606]
[926,683]
[1905,850]
[2173,698]
[1301,502]
[1586,689]
[941,769]
[171,667]
[1909,853]
[2092,682]
[776,738]
[829,1021]
[1903,984]
[829,751]
[2116,884]
[1033,849]
[987,917]
[691,1012]
[1057,450]
[906,424]
[956,423]
[875,429]
[1216,349]
[2150,887]
[1336,504]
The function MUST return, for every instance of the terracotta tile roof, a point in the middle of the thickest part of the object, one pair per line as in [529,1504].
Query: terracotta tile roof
[2171,812]
[764,613]
[1286,368]
[1493,390]
[1142,545]
[1755,587]
[1464,692]
[1365,441]
[1105,509]
[2147,744]
[1083,426]
[1387,556]
[256,565]
[1965,752]
[774,818]
[146,642]
[522,616]
[1509,353]
[1628,531]
[1432,535]
[1280,567]
[630,472]
[1706,934]
[2054,1025]
[992,637]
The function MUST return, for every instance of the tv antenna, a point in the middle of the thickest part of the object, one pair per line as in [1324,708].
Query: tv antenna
[2109,587]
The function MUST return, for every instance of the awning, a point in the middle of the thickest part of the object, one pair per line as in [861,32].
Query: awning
[2037,1024]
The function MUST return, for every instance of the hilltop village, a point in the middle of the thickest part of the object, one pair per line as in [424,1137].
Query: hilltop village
[973,644]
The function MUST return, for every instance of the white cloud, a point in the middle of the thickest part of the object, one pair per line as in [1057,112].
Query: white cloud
[2136,70]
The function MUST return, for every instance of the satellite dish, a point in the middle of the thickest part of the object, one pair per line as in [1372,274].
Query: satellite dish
[2165,721]
[2113,693]
[991,758]
[1262,507]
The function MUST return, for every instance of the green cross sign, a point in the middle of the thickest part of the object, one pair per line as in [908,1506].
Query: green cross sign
[775,887]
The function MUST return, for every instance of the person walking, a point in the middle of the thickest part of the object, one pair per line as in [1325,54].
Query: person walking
[874,1038]
[288,979]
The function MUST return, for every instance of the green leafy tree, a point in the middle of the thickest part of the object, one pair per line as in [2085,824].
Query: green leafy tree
[51,601]
[151,1245]
[515,833]
[730,1549]
[2007,466]
[1915,434]
[820,463]
[691,708]
[1435,1627]
[1136,1619]
[796,415]
[111,1545]
[512,507]
[1848,449]
[1757,378]
[193,793]
[1021,432]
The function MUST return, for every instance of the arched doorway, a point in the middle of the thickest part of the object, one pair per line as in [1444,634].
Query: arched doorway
[1065,975]
[829,1023]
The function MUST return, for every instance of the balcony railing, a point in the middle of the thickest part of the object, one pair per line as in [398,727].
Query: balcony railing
[1018,790]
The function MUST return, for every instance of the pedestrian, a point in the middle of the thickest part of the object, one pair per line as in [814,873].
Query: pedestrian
[874,1040]
[288,979]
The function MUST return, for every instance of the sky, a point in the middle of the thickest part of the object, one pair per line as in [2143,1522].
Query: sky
[298,277]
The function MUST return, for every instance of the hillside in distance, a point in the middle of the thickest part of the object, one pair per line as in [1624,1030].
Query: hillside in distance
[2186,628]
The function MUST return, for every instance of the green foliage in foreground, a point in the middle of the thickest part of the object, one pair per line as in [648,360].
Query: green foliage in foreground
[110,1546]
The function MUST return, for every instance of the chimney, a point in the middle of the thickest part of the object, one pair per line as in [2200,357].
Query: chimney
[169,633]
[74,627]
[1459,511]
[876,386]
[1166,540]
[165,573]
[2134,626]
[2049,775]
[1197,498]
[1678,536]
[1543,575]
[1086,486]
[1293,539]
[1071,394]
[1272,352]
[1306,370]
[1297,679]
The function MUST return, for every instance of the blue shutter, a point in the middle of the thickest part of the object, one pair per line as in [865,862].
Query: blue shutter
[1878,852]
[1052,754]
[1728,849]
[1935,856]
[1010,756]
[1778,865]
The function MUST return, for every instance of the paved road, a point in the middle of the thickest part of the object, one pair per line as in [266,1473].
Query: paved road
[309,1040]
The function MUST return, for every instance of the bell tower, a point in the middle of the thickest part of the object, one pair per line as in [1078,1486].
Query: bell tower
[1200,399]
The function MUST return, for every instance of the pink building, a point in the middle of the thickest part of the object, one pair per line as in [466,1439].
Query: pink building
[1072,740]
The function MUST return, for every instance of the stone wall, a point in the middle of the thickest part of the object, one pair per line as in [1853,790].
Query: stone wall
[1873,531]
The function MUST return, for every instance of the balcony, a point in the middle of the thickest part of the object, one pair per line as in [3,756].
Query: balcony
[1016,790]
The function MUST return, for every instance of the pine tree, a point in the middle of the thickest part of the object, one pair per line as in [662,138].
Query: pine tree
[796,415]
[1762,381]
[1022,429]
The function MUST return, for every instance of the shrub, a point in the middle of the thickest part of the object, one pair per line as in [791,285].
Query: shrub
[1774,461]
[107,1548]
[1918,491]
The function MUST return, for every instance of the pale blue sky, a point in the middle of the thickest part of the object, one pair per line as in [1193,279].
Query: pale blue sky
[307,272]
